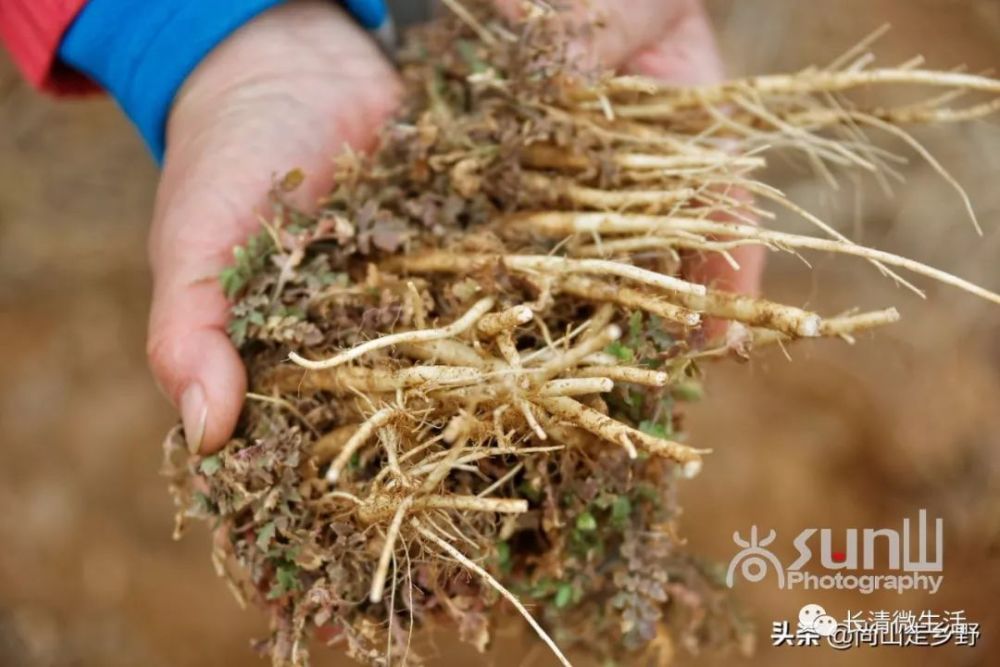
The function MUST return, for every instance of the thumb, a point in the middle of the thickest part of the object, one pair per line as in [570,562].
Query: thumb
[194,361]
[190,354]
[211,193]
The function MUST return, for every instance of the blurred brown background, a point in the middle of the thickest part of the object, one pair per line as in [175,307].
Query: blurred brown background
[842,437]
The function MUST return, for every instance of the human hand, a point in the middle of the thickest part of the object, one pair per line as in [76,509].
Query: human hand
[289,89]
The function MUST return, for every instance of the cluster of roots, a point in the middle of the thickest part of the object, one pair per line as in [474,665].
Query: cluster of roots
[467,365]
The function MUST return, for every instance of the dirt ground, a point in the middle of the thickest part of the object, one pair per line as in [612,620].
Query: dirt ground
[841,437]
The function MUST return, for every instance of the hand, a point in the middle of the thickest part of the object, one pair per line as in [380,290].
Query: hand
[287,90]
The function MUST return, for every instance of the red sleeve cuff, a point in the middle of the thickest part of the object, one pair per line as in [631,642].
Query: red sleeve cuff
[32,31]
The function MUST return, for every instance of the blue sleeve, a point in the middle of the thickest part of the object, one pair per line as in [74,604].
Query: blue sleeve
[141,51]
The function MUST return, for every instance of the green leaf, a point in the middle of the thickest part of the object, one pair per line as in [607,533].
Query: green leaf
[503,557]
[635,399]
[586,523]
[210,465]
[564,595]
[621,510]
[635,327]
[232,281]
[663,340]
[331,278]
[238,330]
[542,588]
[654,429]
[286,580]
[265,536]
[203,503]
[689,390]
[240,254]
[248,260]
[467,50]
[604,501]
[648,493]
[527,490]
[621,351]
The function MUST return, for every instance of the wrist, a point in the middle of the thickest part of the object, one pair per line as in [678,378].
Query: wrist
[304,61]
[143,56]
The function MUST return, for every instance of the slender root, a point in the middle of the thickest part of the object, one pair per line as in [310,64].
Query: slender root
[576,354]
[474,504]
[636,244]
[817,118]
[605,267]
[577,386]
[446,262]
[640,376]
[382,508]
[564,224]
[559,224]
[455,328]
[471,21]
[445,466]
[697,162]
[325,447]
[755,312]
[365,431]
[382,570]
[614,431]
[668,101]
[346,381]
[844,326]
[450,352]
[529,416]
[587,288]
[609,199]
[508,349]
[496,585]
[542,156]
[509,475]
[495,323]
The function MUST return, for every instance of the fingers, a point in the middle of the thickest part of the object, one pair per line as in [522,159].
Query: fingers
[623,27]
[204,209]
[685,53]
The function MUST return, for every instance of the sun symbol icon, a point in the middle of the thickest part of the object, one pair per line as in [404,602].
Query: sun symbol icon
[754,559]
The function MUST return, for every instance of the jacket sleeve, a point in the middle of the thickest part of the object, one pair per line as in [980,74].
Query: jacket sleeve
[140,51]
[32,31]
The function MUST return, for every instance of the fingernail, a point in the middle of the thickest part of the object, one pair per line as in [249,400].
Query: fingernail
[194,414]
